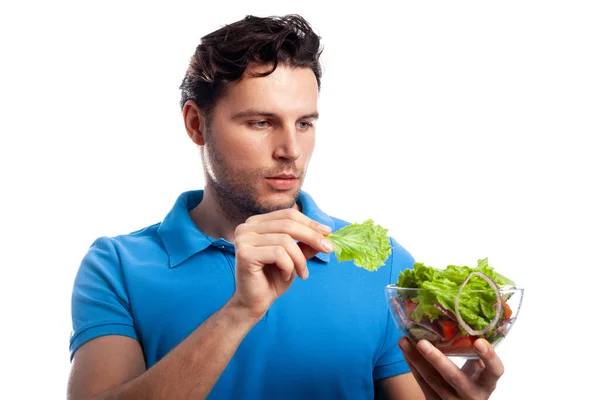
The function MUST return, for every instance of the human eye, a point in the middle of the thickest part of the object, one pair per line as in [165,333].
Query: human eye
[305,124]
[262,124]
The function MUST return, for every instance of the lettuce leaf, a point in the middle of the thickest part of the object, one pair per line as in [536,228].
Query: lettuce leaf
[367,244]
[476,308]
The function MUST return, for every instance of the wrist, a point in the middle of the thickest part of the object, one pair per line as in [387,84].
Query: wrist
[242,313]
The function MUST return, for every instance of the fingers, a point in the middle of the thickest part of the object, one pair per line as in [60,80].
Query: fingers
[473,367]
[293,215]
[276,255]
[287,231]
[494,368]
[307,251]
[449,371]
[294,229]
[445,378]
[433,380]
[429,393]
[296,225]
[289,245]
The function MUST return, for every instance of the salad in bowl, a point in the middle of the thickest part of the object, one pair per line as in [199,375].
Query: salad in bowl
[453,307]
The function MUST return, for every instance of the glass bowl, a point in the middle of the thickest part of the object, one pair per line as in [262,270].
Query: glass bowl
[440,325]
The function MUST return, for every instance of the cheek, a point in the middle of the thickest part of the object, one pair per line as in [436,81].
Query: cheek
[245,154]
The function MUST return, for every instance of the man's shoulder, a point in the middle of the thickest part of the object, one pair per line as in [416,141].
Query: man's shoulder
[149,231]
[139,238]
[174,220]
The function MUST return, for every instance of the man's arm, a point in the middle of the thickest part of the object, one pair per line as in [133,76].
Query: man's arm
[113,367]
[399,387]
[268,259]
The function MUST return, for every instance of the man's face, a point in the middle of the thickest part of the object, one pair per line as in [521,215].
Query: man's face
[260,140]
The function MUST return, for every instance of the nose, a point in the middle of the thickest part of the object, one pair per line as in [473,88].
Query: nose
[287,146]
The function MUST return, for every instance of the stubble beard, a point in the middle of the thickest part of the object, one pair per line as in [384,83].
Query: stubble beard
[235,193]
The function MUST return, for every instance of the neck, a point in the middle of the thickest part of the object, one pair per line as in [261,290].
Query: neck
[216,219]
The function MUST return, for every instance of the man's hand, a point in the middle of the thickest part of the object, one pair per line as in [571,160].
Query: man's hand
[440,378]
[271,249]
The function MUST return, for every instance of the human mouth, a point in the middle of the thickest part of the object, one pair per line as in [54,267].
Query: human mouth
[282,182]
[283,176]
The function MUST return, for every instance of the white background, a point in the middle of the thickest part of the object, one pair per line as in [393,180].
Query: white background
[466,128]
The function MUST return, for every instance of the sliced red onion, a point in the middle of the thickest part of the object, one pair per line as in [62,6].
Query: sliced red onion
[425,322]
[400,312]
[461,322]
[444,311]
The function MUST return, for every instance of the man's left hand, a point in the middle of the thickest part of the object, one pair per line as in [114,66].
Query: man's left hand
[440,378]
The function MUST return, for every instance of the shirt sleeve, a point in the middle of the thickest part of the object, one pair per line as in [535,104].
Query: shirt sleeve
[99,302]
[391,360]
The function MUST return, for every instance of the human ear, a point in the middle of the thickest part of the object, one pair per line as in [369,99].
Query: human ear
[194,121]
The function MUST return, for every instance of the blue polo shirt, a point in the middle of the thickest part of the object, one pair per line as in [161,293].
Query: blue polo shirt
[329,337]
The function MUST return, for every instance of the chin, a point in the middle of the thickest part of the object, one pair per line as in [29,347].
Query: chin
[279,200]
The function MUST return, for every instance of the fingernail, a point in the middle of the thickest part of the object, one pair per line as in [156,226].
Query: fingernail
[326,244]
[481,347]
[425,346]
[324,228]
[305,274]
[404,344]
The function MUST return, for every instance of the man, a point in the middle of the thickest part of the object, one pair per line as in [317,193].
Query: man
[216,300]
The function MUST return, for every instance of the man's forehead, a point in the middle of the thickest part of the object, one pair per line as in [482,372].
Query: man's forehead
[287,89]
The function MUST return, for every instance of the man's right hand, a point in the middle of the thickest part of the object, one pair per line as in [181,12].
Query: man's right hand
[268,258]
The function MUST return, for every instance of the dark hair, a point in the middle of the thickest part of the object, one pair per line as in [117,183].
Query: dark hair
[223,55]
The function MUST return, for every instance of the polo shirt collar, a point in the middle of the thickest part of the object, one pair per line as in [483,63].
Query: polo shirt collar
[179,234]
[182,238]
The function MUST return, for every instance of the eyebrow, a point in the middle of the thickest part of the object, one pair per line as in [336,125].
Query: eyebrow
[256,113]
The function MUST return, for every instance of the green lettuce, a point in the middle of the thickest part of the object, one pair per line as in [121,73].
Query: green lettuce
[367,244]
[476,308]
